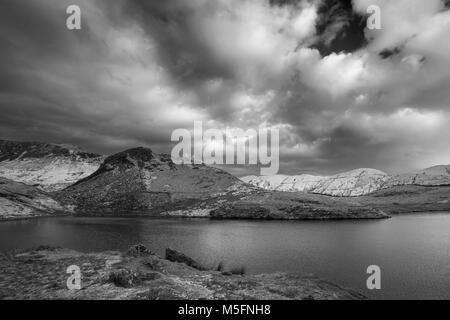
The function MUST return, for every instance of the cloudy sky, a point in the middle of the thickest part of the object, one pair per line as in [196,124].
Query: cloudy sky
[342,96]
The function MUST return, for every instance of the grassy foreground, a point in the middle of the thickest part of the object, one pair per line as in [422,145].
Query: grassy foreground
[40,273]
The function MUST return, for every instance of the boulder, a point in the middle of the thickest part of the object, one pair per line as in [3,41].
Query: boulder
[176,256]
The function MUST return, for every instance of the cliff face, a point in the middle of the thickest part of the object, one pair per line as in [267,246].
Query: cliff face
[18,200]
[354,183]
[46,166]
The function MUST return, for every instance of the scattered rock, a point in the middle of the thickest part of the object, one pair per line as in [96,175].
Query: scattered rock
[139,250]
[176,256]
[128,278]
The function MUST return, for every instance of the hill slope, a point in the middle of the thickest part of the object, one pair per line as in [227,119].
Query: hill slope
[355,183]
[18,200]
[47,166]
[349,184]
[434,176]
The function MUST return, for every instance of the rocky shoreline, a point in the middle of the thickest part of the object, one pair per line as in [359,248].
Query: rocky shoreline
[40,273]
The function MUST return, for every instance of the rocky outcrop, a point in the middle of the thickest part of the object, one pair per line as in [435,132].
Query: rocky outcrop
[176,256]
[18,201]
[140,180]
[40,273]
[46,166]
[349,184]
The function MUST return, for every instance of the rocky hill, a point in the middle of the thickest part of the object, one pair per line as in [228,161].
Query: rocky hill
[47,166]
[138,181]
[18,200]
[354,183]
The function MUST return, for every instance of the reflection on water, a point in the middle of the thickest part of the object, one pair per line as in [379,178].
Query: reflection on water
[413,251]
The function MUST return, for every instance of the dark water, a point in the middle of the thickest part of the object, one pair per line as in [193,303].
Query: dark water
[413,251]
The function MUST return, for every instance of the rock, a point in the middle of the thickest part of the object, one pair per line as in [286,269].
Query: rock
[175,256]
[139,250]
[128,278]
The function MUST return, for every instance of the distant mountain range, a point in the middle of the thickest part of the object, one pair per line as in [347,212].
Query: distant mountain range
[140,182]
[354,183]
[43,179]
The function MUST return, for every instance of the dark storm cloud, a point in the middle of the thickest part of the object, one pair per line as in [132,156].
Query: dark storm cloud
[339,27]
[139,69]
[50,84]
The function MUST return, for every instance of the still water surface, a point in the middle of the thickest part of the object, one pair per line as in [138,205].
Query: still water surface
[413,251]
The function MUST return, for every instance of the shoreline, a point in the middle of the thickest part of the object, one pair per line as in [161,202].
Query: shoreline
[124,216]
[40,273]
[174,217]
[71,215]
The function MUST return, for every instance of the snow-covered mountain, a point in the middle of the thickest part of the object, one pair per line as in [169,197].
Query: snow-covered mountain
[354,183]
[47,166]
[349,184]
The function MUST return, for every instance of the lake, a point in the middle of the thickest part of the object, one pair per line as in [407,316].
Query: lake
[413,251]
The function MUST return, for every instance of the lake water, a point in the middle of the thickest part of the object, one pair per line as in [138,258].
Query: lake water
[413,251]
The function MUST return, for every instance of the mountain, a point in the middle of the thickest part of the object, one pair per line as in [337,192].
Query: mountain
[434,176]
[139,181]
[355,183]
[349,184]
[49,167]
[18,200]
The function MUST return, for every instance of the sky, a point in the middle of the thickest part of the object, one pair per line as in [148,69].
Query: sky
[342,96]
